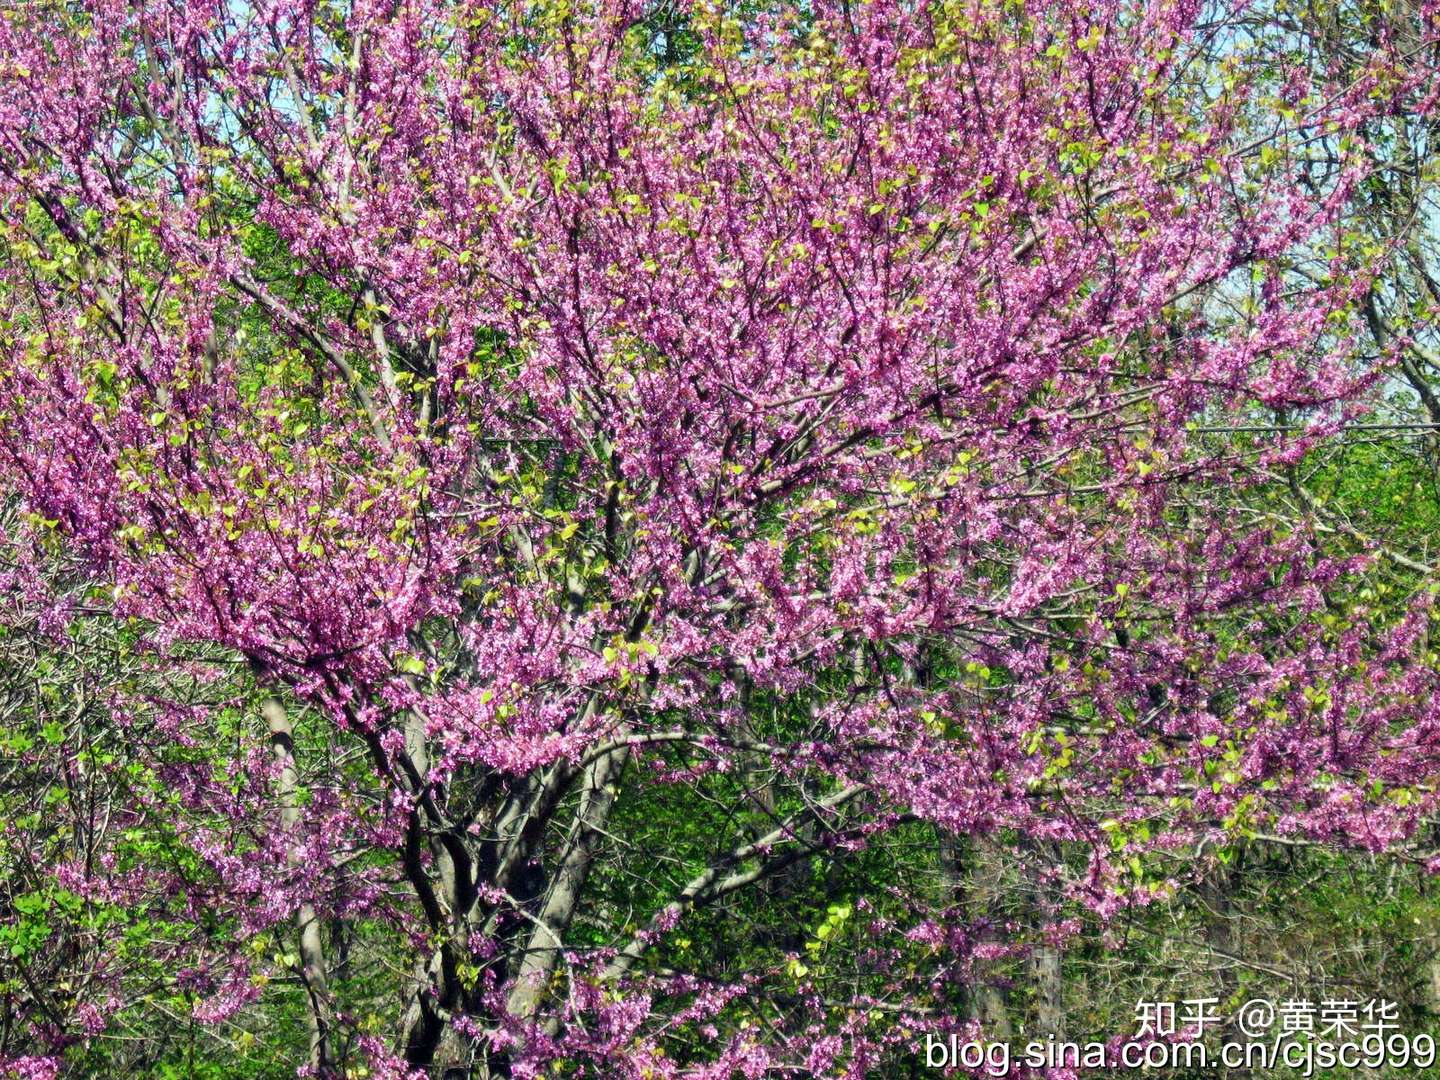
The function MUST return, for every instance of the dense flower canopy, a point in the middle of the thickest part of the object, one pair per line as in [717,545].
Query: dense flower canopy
[548,402]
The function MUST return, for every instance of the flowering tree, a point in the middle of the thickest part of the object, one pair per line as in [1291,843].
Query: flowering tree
[837,426]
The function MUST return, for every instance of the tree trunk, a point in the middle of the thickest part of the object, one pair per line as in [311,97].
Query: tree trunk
[307,924]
